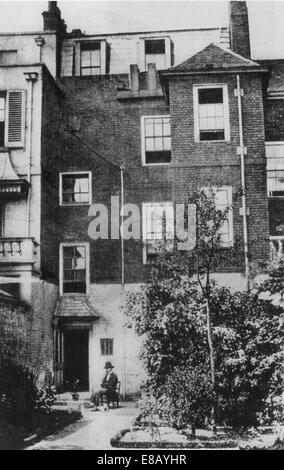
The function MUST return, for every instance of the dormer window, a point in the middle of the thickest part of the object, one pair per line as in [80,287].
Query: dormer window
[91,58]
[155,53]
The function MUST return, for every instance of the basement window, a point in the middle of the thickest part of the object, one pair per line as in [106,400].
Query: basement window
[106,346]
[211,117]
[155,53]
[156,140]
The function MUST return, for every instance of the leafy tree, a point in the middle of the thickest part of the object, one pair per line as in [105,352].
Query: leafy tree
[249,353]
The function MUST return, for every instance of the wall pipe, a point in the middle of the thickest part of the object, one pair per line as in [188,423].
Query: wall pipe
[30,77]
[243,183]
[123,280]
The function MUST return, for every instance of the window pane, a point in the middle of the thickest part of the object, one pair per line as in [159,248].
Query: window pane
[158,143]
[210,95]
[150,144]
[106,346]
[154,46]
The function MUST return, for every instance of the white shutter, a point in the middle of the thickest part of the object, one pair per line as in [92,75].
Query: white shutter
[15,119]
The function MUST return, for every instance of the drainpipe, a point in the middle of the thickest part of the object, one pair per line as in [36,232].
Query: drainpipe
[30,77]
[242,151]
[123,282]
[39,42]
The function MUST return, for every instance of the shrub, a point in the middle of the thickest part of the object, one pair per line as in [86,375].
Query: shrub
[186,398]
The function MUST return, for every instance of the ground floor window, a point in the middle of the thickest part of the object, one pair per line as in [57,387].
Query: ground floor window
[106,346]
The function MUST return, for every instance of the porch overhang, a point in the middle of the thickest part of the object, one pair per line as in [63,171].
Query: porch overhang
[74,312]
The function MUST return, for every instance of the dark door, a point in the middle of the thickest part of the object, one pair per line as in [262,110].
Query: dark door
[76,359]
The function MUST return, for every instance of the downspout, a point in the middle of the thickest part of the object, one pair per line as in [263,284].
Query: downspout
[123,282]
[30,77]
[242,152]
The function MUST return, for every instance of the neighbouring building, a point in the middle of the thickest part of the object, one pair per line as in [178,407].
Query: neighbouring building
[147,117]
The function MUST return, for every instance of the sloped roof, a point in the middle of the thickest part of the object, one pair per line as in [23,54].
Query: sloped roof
[276,82]
[214,57]
[75,307]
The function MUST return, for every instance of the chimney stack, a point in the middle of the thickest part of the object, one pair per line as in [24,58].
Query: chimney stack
[239,28]
[52,19]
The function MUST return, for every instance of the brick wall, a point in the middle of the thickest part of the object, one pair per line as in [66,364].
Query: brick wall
[110,127]
[274,120]
[196,163]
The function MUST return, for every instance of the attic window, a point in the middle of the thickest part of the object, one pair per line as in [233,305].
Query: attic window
[155,53]
[211,113]
[91,58]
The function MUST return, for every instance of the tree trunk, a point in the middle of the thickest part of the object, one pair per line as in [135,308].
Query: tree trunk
[212,361]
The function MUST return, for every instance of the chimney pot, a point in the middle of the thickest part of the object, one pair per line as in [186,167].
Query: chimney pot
[152,77]
[134,77]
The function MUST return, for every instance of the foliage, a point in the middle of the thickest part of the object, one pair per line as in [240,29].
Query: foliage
[19,395]
[249,356]
[186,397]
[45,398]
[169,314]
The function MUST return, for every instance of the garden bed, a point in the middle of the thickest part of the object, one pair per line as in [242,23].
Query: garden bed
[165,437]
[13,436]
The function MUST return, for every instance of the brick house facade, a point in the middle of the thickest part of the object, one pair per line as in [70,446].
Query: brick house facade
[160,110]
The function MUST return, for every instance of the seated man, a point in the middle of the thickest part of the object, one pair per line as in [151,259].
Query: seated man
[108,386]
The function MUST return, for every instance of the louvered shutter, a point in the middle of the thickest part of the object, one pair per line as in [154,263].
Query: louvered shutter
[15,119]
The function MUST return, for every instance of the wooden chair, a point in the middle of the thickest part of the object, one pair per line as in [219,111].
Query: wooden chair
[115,396]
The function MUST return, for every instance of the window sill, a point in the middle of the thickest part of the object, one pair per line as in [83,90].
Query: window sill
[212,141]
[156,164]
[76,205]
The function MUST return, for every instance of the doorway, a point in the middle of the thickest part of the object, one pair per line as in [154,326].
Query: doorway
[76,359]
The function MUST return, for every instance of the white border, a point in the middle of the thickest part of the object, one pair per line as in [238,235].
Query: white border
[61,246]
[89,173]
[142,127]
[197,87]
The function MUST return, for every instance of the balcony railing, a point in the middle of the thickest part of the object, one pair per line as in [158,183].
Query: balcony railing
[276,248]
[18,250]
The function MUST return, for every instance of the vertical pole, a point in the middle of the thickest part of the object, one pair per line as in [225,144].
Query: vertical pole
[123,283]
[244,202]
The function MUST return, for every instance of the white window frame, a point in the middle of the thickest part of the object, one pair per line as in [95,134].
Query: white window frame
[143,149]
[144,231]
[224,87]
[229,190]
[66,244]
[66,173]
[103,47]
[270,167]
[142,59]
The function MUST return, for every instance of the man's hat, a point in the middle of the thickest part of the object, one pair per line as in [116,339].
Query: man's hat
[109,365]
